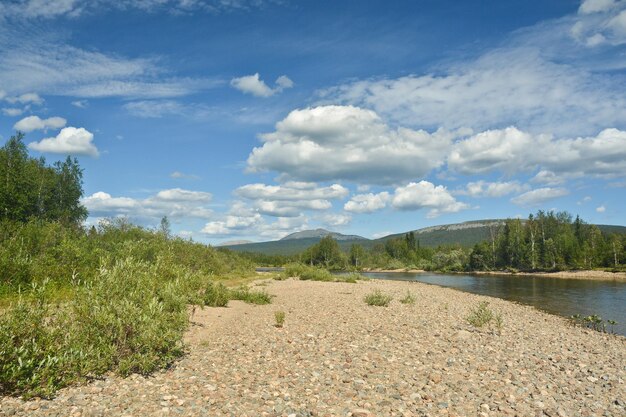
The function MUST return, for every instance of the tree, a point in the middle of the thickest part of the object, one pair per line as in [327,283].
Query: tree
[164,228]
[357,253]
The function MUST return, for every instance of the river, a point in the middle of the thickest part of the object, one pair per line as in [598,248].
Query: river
[564,297]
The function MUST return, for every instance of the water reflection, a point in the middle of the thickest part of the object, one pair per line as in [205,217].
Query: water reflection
[554,295]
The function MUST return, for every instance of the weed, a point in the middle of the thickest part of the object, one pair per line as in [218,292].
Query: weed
[251,297]
[377,298]
[408,298]
[279,316]
[481,315]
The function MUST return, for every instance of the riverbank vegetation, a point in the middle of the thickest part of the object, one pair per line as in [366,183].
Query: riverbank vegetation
[546,241]
[77,302]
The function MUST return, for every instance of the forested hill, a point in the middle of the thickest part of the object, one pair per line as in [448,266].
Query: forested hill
[466,234]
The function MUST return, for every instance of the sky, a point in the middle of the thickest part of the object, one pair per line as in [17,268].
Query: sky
[253,119]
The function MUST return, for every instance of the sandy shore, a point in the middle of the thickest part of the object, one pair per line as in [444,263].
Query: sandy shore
[337,356]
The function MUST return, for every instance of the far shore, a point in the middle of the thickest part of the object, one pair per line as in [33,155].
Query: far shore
[585,274]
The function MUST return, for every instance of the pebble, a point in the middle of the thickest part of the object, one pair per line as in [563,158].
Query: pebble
[336,355]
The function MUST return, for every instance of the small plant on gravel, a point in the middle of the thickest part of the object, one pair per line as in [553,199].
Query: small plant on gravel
[351,278]
[499,322]
[481,315]
[251,297]
[408,298]
[377,298]
[279,316]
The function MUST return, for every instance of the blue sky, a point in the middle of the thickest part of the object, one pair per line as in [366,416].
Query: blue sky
[252,119]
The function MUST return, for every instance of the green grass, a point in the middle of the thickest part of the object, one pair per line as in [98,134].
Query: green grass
[250,296]
[377,298]
[279,317]
[408,298]
[482,315]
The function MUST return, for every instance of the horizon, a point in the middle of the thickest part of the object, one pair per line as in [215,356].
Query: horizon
[252,120]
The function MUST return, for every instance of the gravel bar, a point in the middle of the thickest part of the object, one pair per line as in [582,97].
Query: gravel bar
[337,356]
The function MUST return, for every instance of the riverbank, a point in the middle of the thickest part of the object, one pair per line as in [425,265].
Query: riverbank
[337,356]
[588,275]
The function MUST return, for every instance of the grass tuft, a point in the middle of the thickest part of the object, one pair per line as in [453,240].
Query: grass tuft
[377,298]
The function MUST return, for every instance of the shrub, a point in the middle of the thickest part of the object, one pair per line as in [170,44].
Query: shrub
[408,298]
[279,317]
[480,315]
[216,295]
[377,298]
[250,296]
[305,272]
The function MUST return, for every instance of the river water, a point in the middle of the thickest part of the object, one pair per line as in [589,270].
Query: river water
[564,297]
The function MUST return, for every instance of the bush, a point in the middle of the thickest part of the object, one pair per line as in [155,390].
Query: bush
[215,295]
[305,272]
[127,320]
[377,298]
[482,315]
[251,297]
[408,298]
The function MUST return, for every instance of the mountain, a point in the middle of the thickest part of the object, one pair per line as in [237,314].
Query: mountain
[465,234]
[234,243]
[320,233]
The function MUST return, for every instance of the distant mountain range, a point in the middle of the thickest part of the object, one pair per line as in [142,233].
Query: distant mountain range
[465,234]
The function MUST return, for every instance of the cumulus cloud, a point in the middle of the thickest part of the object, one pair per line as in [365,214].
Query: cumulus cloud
[539,196]
[416,196]
[336,219]
[512,151]
[491,189]
[81,104]
[367,203]
[30,123]
[601,209]
[595,6]
[70,140]
[174,203]
[289,199]
[347,143]
[254,225]
[253,84]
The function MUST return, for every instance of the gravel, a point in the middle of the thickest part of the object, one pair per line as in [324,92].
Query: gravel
[337,356]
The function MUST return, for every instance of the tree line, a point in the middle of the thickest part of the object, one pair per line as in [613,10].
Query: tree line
[545,241]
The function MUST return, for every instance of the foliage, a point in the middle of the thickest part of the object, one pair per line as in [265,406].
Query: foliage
[377,298]
[482,315]
[279,317]
[326,253]
[250,296]
[31,189]
[129,319]
[408,298]
[215,295]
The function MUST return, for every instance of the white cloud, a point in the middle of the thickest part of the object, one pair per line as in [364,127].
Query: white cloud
[47,65]
[81,104]
[174,203]
[30,123]
[347,143]
[252,84]
[594,6]
[336,219]
[586,199]
[367,203]
[491,189]
[71,140]
[601,209]
[12,111]
[548,178]
[514,85]
[424,194]
[539,196]
[27,98]
[511,151]
[291,191]
[255,225]
[155,109]
[289,199]
[180,175]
